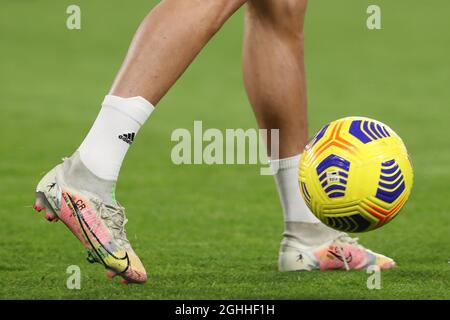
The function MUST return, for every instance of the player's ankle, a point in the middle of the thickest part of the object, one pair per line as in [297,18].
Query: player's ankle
[79,176]
[308,234]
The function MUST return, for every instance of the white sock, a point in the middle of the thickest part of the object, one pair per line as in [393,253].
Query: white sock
[115,128]
[300,224]
[294,207]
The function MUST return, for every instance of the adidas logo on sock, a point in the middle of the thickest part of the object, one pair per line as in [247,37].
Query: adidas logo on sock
[127,137]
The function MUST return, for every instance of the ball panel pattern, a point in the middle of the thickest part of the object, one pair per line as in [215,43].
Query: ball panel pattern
[355,174]
[389,190]
[367,131]
[319,135]
[351,223]
[333,181]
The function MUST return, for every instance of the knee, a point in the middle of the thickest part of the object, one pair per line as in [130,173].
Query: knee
[220,11]
[287,15]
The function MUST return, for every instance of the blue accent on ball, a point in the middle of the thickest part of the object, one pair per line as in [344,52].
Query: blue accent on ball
[390,185]
[390,196]
[343,174]
[361,223]
[385,131]
[391,178]
[374,130]
[367,131]
[390,170]
[353,223]
[334,187]
[393,185]
[319,135]
[380,130]
[333,161]
[388,163]
[336,195]
[355,130]
[325,182]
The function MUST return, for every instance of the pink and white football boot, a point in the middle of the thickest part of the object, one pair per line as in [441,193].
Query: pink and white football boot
[342,252]
[99,226]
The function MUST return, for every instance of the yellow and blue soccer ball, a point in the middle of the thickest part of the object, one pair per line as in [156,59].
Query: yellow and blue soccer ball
[355,174]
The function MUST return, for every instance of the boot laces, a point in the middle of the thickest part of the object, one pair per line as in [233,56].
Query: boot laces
[343,239]
[115,219]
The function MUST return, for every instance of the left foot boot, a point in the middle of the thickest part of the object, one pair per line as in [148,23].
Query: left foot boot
[98,225]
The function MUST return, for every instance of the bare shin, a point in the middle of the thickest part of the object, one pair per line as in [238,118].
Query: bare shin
[274,73]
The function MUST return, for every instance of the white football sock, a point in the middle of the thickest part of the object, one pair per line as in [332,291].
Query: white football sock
[294,207]
[115,128]
[299,222]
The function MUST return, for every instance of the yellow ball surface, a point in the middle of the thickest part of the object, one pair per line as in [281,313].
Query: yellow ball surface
[355,174]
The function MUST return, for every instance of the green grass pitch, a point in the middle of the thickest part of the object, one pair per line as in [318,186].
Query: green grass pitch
[213,231]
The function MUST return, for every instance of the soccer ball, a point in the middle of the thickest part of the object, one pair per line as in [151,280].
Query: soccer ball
[355,174]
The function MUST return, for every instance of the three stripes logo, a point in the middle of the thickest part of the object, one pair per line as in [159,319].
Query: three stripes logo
[392,183]
[367,131]
[333,175]
[127,137]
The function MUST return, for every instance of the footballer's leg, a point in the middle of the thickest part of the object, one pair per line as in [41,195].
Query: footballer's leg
[274,76]
[80,191]
[169,38]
